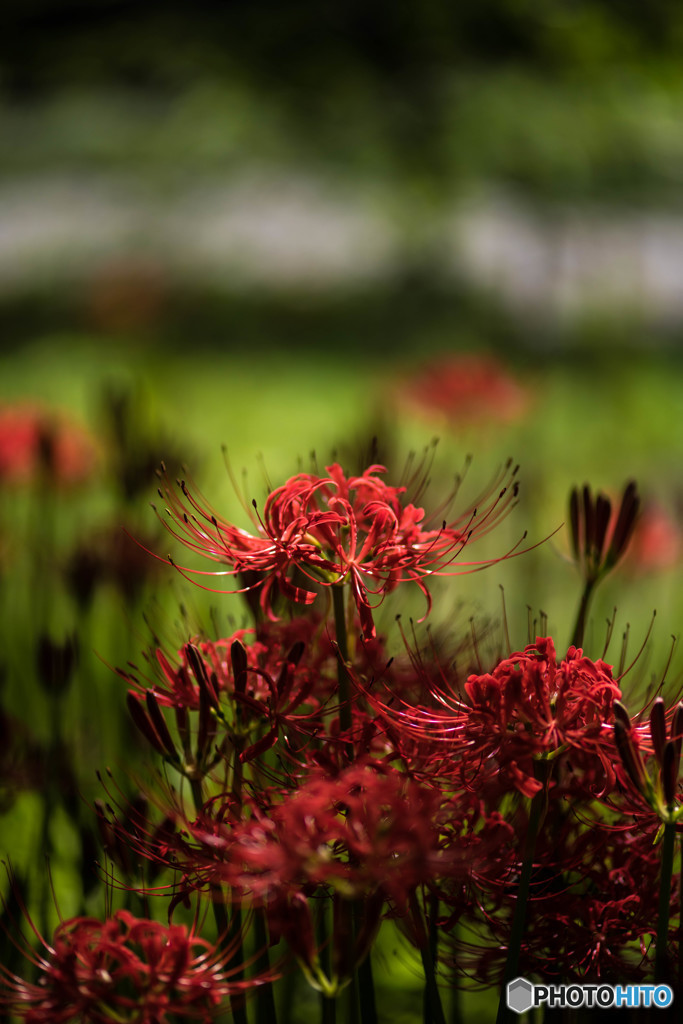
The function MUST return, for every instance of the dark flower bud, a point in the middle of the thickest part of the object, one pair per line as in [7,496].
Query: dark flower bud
[206,686]
[625,524]
[621,713]
[669,774]
[630,757]
[677,733]
[159,724]
[238,656]
[658,728]
[143,724]
[46,447]
[592,526]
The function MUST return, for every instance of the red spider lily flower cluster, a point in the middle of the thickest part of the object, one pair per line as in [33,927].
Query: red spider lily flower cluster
[314,788]
[368,828]
[247,691]
[590,917]
[367,838]
[529,708]
[334,530]
[533,707]
[127,969]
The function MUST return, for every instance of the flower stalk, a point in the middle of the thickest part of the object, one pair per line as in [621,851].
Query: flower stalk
[537,811]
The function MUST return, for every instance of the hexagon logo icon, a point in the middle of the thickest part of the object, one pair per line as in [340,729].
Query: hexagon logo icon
[520,995]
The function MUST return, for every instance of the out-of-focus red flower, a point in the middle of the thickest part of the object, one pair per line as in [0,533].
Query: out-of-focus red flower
[368,829]
[465,388]
[35,440]
[334,530]
[657,541]
[125,969]
[590,918]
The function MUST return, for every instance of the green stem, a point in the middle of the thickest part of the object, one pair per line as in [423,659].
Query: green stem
[433,1010]
[580,626]
[662,967]
[536,815]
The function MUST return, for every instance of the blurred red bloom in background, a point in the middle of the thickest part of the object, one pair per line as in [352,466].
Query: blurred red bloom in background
[465,388]
[657,541]
[35,440]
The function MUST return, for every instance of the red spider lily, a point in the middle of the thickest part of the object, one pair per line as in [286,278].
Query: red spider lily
[275,687]
[367,838]
[34,440]
[337,529]
[533,707]
[126,969]
[590,918]
[530,708]
[368,828]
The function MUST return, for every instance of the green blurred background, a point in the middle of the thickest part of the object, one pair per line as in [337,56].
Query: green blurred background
[254,224]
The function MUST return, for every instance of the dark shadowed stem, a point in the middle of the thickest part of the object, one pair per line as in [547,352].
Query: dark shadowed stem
[265,998]
[328,1010]
[432,921]
[366,992]
[662,970]
[51,798]
[433,1010]
[343,645]
[455,1006]
[580,627]
[328,1007]
[345,722]
[351,996]
[536,815]
[287,994]
[227,929]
